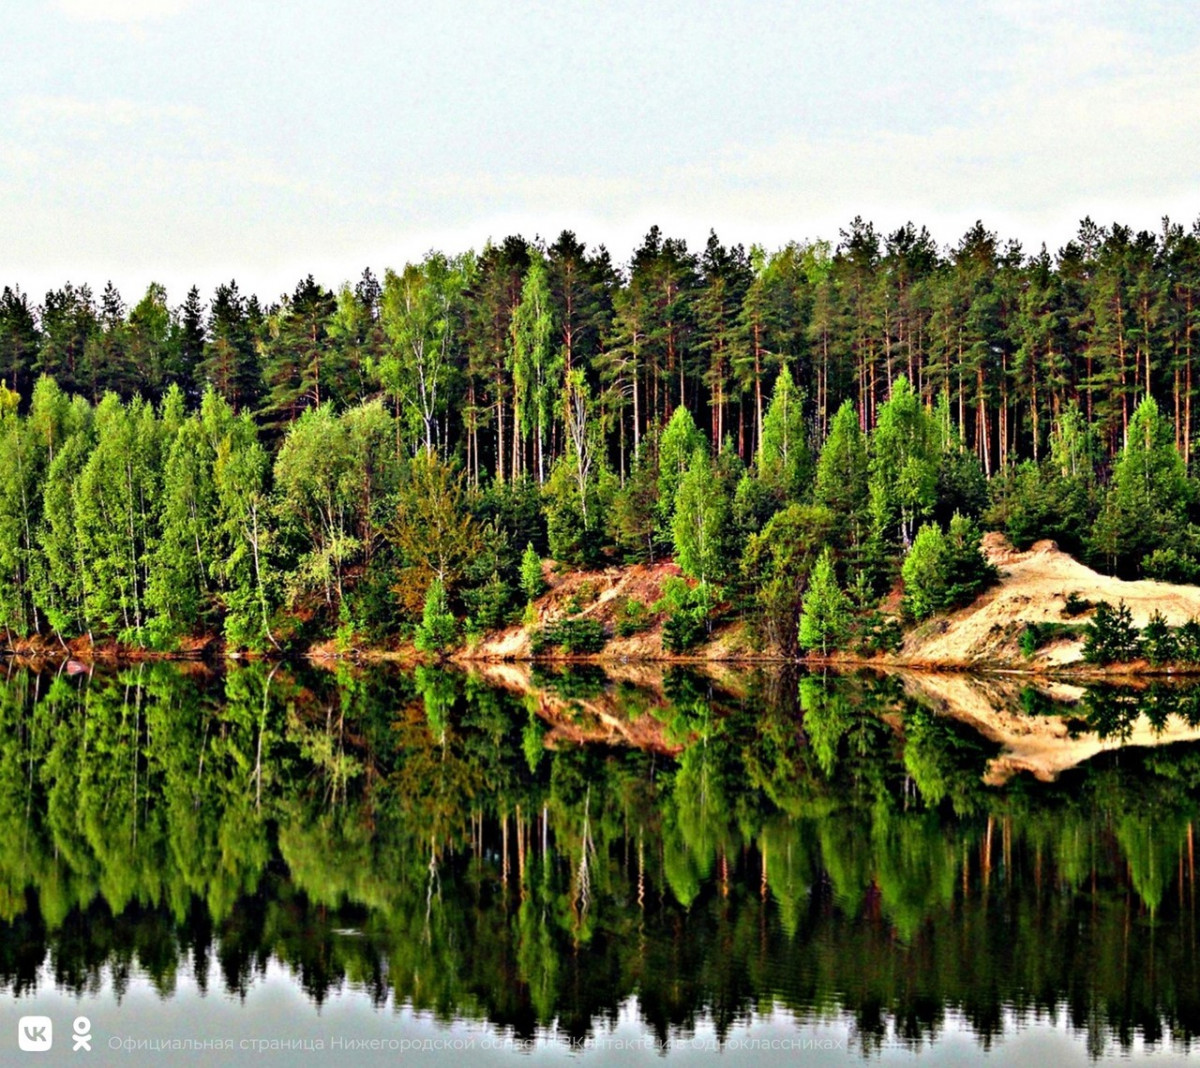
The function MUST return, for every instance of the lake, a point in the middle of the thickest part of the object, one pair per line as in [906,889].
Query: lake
[312,864]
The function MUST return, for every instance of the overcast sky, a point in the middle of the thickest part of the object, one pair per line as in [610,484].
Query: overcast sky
[187,142]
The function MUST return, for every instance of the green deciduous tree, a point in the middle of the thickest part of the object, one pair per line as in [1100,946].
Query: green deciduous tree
[841,478]
[942,571]
[903,466]
[418,317]
[776,568]
[680,440]
[433,531]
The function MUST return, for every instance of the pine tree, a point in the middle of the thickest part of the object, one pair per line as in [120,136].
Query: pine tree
[18,341]
[841,477]
[700,519]
[1148,500]
[825,617]
[532,582]
[438,630]
[784,460]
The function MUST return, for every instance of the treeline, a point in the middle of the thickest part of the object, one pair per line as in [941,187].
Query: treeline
[284,471]
[475,349]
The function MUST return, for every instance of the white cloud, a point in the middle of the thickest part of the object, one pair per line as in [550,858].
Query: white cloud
[122,12]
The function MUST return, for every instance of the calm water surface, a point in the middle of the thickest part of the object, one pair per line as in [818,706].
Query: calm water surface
[290,864]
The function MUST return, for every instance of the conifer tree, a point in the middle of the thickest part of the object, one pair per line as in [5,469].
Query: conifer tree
[825,617]
[784,460]
[700,519]
[841,477]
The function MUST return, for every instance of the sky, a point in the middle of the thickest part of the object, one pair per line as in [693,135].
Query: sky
[191,141]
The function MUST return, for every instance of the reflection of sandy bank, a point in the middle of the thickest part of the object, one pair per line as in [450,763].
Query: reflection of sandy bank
[607,717]
[1039,744]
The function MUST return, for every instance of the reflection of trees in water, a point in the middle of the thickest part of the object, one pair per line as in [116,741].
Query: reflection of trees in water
[823,844]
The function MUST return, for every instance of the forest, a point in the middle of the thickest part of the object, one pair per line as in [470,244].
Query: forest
[799,430]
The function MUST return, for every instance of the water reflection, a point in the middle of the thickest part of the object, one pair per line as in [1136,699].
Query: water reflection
[538,848]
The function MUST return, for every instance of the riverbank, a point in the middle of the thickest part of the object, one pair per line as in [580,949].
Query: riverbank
[1042,587]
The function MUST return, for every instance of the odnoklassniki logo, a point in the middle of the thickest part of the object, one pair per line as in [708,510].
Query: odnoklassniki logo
[35,1034]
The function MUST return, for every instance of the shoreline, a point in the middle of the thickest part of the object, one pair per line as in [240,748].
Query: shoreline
[124,656]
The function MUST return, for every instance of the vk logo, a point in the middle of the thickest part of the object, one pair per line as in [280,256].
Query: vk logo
[35,1034]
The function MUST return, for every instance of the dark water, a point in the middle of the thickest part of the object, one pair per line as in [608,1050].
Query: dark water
[293,863]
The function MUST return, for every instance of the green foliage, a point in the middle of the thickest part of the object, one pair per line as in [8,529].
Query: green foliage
[1187,642]
[1035,636]
[878,633]
[776,565]
[841,479]
[632,617]
[926,579]
[1148,501]
[633,518]
[1035,501]
[903,470]
[700,520]
[825,617]
[433,531]
[784,460]
[417,315]
[533,584]
[1075,605]
[490,604]
[331,476]
[688,609]
[1169,564]
[942,571]
[968,570]
[572,635]
[680,441]
[438,630]
[224,472]
[1111,636]
[576,538]
[1158,641]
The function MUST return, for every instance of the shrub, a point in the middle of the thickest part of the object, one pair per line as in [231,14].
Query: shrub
[1030,640]
[1035,636]
[1170,565]
[687,611]
[1187,641]
[879,634]
[632,617]
[490,604]
[1158,641]
[437,630]
[1111,636]
[533,585]
[570,635]
[1076,605]
[942,571]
